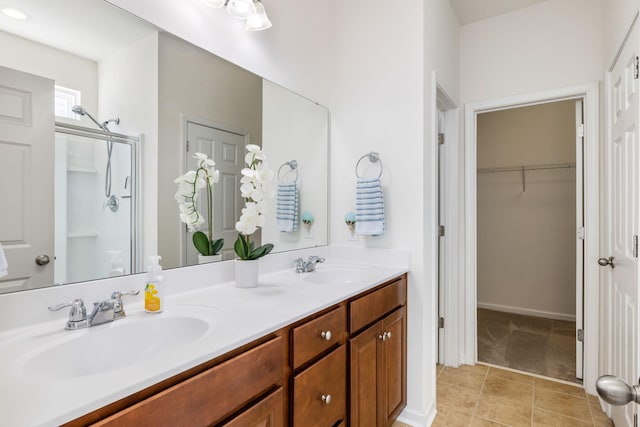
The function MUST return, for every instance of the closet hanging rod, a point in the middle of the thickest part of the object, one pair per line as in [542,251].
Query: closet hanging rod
[569,165]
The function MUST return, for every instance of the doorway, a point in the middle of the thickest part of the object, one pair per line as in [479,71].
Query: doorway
[530,247]
[588,93]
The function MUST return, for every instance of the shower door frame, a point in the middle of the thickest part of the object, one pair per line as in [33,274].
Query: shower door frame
[134,142]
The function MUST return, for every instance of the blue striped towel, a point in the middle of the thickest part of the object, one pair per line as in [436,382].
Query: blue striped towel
[287,207]
[369,207]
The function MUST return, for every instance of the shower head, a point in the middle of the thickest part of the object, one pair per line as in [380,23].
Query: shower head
[79,109]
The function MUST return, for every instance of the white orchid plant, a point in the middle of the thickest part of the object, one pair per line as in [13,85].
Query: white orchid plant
[189,186]
[255,190]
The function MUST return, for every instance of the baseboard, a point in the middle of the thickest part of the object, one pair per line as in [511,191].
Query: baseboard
[417,418]
[527,312]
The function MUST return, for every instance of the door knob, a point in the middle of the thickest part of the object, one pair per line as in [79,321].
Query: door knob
[606,261]
[42,259]
[616,391]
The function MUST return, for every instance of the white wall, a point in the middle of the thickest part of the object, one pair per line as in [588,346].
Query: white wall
[618,15]
[526,239]
[553,44]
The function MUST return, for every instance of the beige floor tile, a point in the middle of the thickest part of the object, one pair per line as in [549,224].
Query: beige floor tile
[477,368]
[510,375]
[507,389]
[449,417]
[593,399]
[503,411]
[439,369]
[563,404]
[600,419]
[454,396]
[462,377]
[399,424]
[549,419]
[481,422]
[560,387]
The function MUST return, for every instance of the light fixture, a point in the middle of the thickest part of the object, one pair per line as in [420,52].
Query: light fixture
[251,10]
[14,13]
[259,20]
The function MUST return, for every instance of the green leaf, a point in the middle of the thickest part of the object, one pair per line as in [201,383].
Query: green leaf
[201,242]
[261,251]
[241,248]
[216,246]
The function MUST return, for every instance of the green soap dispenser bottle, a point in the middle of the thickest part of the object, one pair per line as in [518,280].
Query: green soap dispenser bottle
[154,289]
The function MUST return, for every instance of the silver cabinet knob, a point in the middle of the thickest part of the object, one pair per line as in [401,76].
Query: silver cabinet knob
[382,337]
[42,259]
[616,391]
[326,398]
[388,335]
[325,335]
[606,261]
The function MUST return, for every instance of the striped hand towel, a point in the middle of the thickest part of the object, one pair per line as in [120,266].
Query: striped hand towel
[287,207]
[369,207]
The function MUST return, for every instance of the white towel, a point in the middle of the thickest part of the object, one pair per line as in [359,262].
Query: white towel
[369,207]
[287,207]
[4,268]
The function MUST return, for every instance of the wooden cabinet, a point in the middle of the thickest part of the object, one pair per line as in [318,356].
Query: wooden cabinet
[317,335]
[377,357]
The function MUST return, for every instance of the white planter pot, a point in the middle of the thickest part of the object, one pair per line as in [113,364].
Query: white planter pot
[247,273]
[204,259]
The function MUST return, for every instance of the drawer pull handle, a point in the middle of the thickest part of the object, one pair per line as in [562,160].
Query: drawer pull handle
[326,398]
[325,335]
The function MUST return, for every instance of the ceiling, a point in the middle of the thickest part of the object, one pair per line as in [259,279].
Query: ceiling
[469,11]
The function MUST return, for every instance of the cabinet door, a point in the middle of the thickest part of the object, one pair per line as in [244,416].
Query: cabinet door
[266,413]
[363,351]
[393,364]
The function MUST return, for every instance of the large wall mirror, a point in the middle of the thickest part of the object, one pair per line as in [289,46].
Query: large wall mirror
[101,111]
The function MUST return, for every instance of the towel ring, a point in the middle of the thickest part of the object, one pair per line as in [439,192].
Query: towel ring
[293,165]
[373,158]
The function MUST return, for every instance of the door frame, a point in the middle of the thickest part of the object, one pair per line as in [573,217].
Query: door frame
[589,93]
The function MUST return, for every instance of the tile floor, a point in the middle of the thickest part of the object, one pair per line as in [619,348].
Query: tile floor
[480,395]
[532,344]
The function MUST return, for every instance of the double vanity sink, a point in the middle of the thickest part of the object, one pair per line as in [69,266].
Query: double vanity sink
[68,373]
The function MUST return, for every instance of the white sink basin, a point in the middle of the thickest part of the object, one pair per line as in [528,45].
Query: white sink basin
[337,275]
[114,345]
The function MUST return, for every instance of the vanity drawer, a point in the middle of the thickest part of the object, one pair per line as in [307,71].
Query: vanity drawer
[269,412]
[376,304]
[317,335]
[209,396]
[326,378]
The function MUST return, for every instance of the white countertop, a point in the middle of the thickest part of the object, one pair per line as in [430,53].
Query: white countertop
[241,316]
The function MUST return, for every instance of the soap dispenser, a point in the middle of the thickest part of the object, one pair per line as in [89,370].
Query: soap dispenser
[117,265]
[154,289]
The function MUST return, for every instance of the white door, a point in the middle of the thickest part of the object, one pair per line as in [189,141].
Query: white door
[621,289]
[579,239]
[227,150]
[27,127]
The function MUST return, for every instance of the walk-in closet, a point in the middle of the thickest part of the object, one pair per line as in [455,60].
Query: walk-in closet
[529,258]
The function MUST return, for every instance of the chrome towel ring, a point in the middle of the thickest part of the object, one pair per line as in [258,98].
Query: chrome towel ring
[373,158]
[293,165]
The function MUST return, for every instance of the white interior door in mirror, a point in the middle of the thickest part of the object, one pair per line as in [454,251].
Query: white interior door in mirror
[227,150]
[26,178]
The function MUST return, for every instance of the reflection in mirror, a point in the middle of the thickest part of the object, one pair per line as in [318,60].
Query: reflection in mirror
[173,99]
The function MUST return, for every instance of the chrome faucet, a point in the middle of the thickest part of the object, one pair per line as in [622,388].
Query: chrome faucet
[103,311]
[303,266]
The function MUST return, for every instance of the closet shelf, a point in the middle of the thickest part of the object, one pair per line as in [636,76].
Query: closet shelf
[523,168]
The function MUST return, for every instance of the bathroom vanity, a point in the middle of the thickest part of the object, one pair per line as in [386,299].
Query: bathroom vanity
[315,348]
[324,370]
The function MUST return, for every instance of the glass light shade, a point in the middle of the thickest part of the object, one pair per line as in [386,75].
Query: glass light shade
[259,20]
[214,3]
[241,8]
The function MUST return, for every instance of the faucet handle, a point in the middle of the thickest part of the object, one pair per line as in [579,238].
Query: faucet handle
[118,306]
[316,258]
[78,311]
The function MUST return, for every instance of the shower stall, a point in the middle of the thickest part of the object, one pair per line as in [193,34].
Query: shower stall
[96,204]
